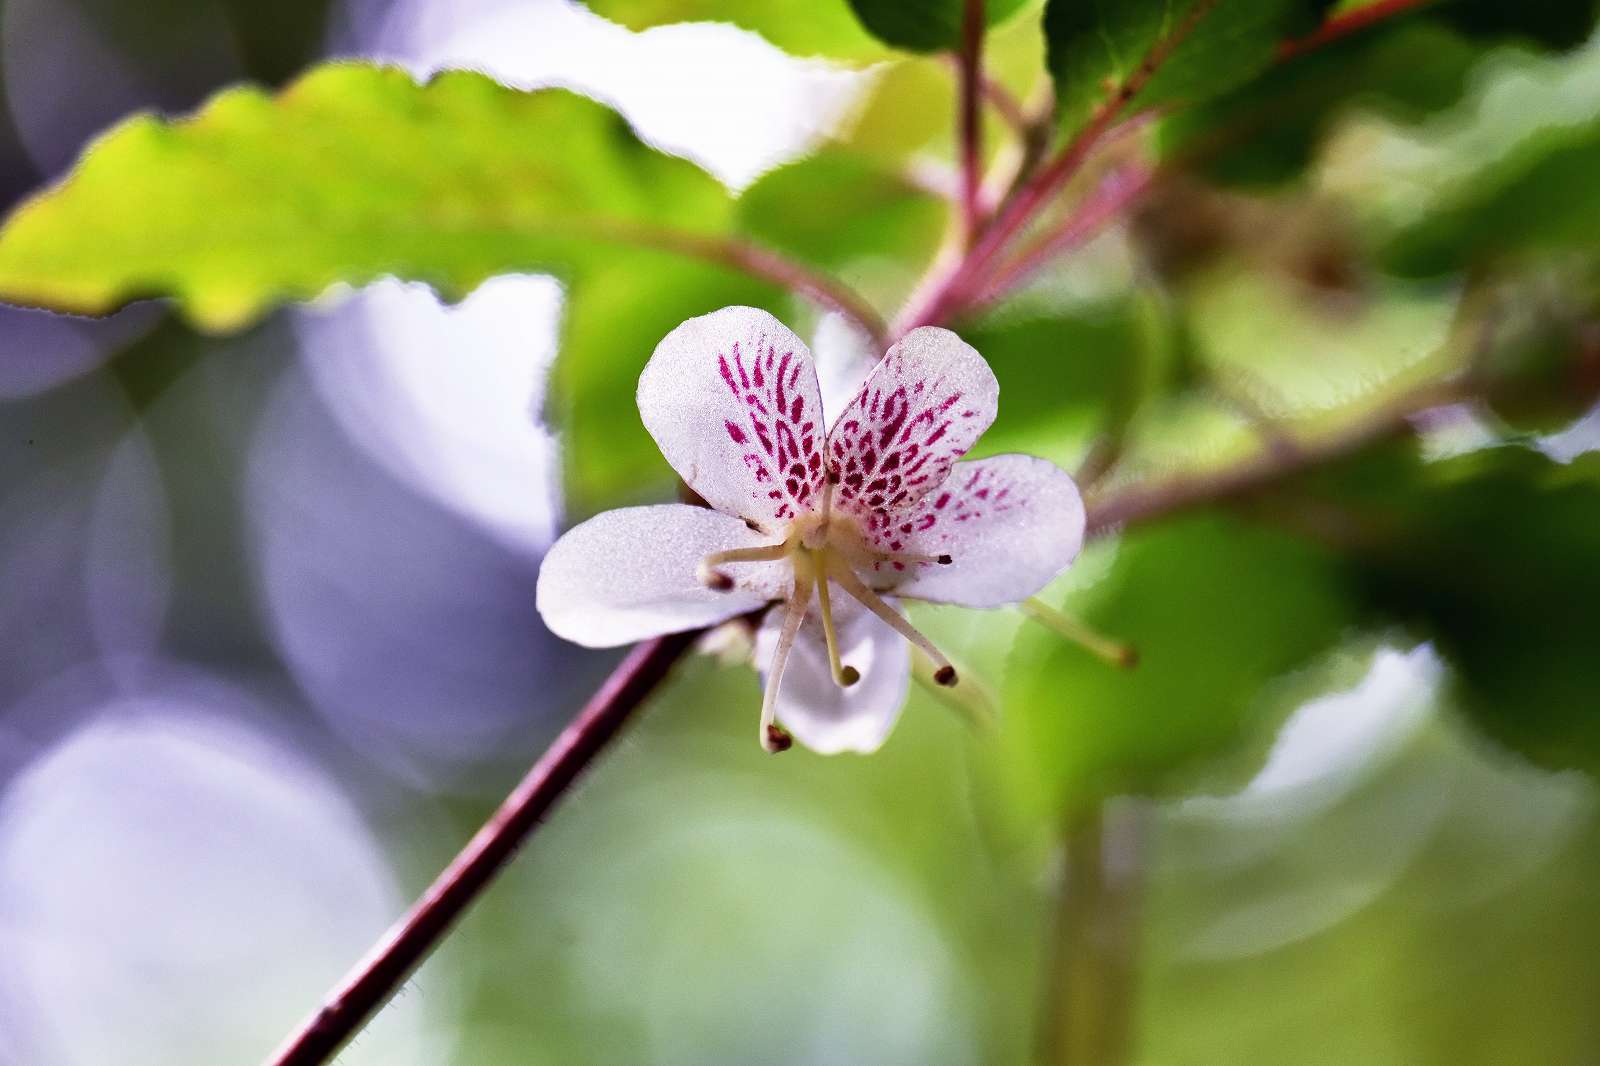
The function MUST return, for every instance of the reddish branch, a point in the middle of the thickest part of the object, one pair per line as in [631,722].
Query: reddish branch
[1346,24]
[969,127]
[375,978]
[968,277]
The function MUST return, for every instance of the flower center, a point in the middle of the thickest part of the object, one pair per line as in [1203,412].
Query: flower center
[824,548]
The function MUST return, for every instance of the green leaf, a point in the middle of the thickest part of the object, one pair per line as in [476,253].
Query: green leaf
[1064,374]
[1094,45]
[1217,609]
[1267,131]
[354,172]
[924,25]
[848,214]
[855,30]
[1510,169]
[615,316]
[1492,555]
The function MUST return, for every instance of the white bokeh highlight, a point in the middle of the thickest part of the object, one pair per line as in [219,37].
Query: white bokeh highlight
[177,886]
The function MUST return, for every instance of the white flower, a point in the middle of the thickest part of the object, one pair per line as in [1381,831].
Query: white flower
[828,523]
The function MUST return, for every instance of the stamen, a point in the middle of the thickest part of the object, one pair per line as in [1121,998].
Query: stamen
[772,738]
[1115,652]
[713,578]
[945,674]
[908,558]
[843,676]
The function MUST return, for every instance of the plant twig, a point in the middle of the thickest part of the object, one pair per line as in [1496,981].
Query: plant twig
[1114,195]
[376,977]
[969,125]
[1142,503]
[1346,24]
[946,299]
[763,262]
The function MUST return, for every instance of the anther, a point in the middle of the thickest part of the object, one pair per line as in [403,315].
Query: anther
[1115,652]
[716,580]
[945,560]
[848,676]
[945,674]
[777,739]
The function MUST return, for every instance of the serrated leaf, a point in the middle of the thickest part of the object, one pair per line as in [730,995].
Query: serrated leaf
[1095,45]
[352,173]
[853,30]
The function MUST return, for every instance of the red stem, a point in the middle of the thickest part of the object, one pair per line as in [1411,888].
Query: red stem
[1345,24]
[967,278]
[375,977]
[762,262]
[969,127]
[1113,195]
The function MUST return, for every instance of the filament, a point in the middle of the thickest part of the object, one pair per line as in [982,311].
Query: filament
[1115,652]
[945,674]
[843,676]
[909,558]
[711,577]
[772,738]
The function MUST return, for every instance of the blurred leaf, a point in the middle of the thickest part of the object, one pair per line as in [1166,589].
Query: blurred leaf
[1492,554]
[1217,609]
[1267,131]
[1094,46]
[1281,351]
[854,30]
[614,317]
[1510,168]
[846,213]
[352,173]
[924,25]
[1552,23]
[1404,68]
[1062,374]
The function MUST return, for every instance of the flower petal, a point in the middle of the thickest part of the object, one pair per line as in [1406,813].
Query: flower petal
[629,574]
[822,716]
[1010,524]
[731,399]
[918,412]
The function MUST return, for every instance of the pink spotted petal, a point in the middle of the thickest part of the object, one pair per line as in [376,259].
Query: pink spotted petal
[731,399]
[919,411]
[1009,523]
[821,715]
